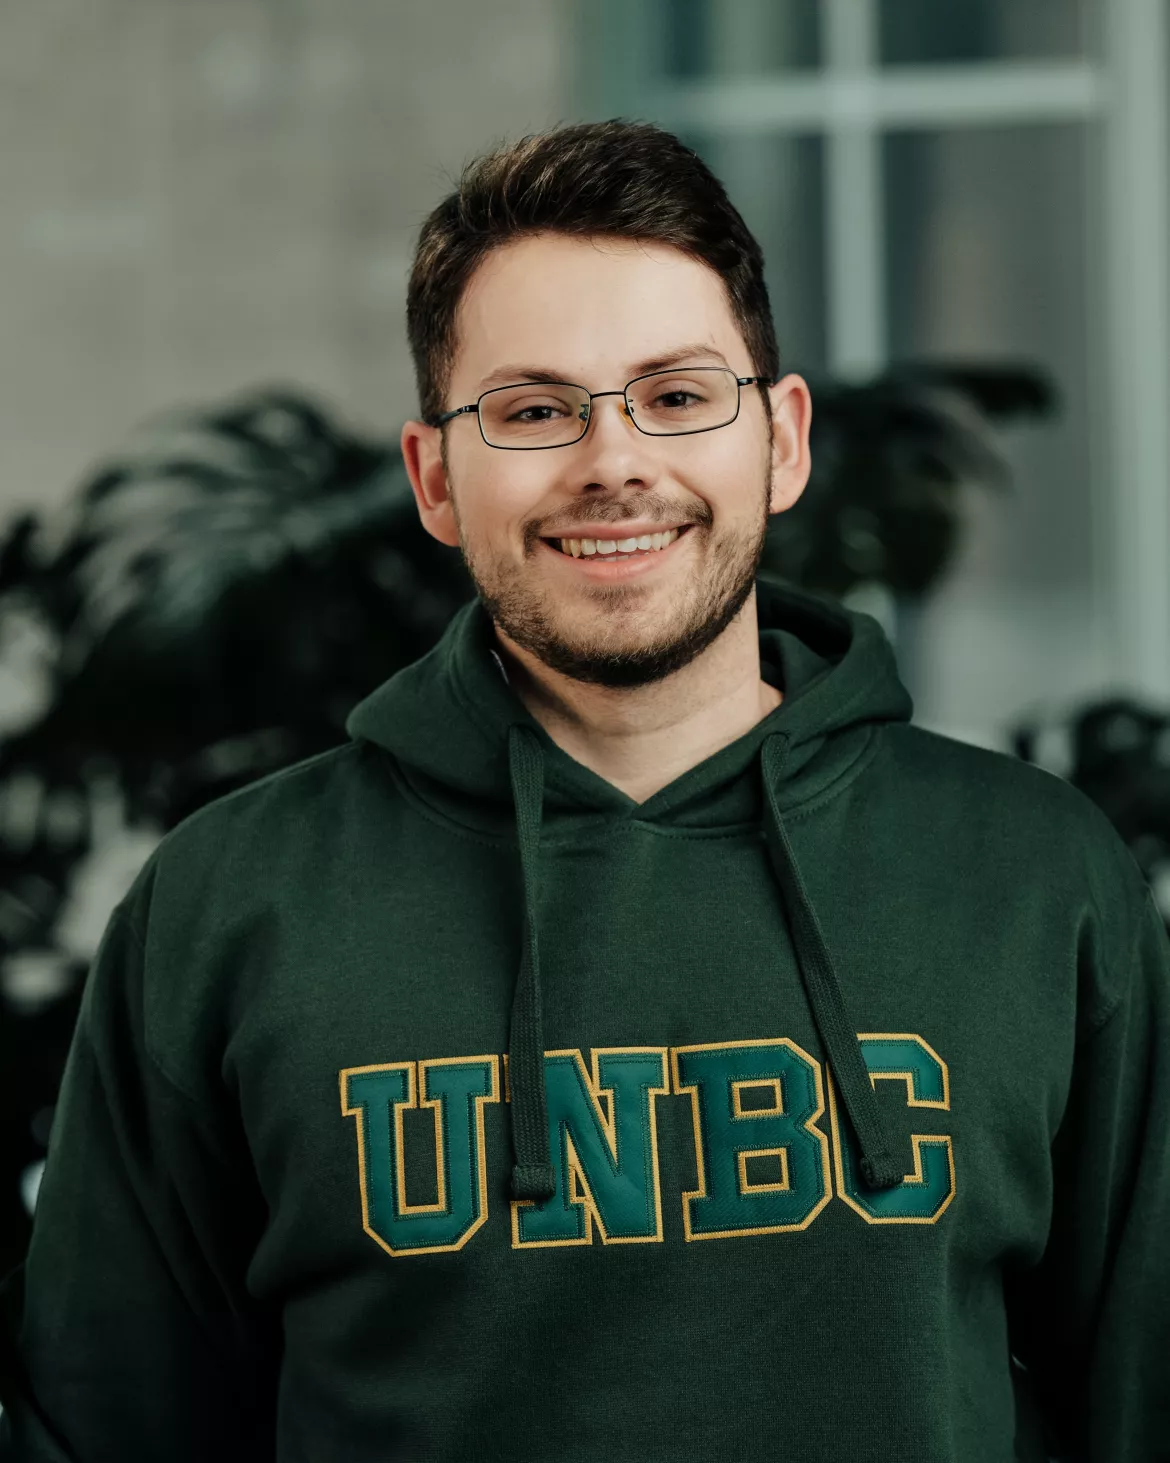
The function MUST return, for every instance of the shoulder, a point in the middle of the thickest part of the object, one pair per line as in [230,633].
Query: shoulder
[1036,857]
[1016,815]
[294,819]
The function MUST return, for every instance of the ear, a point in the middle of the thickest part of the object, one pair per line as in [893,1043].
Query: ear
[791,458]
[422,453]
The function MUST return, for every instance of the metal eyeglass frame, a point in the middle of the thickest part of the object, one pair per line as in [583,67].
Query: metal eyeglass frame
[446,416]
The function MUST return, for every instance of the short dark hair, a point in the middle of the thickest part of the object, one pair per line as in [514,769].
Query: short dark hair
[626,179]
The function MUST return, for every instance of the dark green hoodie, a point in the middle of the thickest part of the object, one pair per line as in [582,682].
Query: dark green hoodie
[855,1087]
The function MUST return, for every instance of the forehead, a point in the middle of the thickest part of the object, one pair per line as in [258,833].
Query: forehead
[591,308]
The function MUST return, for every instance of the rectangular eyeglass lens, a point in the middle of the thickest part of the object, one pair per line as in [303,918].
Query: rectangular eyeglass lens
[534,414]
[684,400]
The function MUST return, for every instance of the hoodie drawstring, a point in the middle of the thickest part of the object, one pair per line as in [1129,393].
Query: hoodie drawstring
[532,1173]
[838,1034]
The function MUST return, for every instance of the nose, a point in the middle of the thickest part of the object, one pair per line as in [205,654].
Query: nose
[589,411]
[613,452]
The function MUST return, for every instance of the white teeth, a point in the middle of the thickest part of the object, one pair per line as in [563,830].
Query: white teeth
[579,547]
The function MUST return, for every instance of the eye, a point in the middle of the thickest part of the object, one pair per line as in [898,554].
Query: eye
[525,414]
[675,398]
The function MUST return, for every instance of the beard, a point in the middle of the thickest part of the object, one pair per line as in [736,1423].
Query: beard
[633,634]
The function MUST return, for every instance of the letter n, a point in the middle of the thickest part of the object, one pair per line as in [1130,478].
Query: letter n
[603,1140]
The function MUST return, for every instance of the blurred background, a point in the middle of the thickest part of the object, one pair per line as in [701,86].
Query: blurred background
[210,553]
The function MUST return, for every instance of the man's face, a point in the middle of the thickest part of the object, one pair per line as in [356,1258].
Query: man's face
[593,311]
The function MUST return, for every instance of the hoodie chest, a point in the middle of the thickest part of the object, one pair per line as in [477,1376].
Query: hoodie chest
[689,1096]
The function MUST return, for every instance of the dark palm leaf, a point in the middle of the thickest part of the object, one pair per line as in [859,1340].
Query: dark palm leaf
[222,598]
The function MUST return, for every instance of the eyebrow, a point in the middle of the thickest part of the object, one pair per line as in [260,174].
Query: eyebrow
[513,374]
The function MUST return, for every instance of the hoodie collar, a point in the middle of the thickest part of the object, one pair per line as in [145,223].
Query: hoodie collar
[445,719]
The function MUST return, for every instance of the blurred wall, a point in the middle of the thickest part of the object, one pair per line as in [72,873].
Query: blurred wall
[203,195]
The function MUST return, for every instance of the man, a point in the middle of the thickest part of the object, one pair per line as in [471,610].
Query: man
[640,1042]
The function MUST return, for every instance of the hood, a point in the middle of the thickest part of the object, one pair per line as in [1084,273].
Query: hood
[466,743]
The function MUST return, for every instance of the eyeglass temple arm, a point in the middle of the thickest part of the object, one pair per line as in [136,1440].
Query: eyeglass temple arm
[447,415]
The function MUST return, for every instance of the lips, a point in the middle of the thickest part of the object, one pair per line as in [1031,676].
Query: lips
[621,569]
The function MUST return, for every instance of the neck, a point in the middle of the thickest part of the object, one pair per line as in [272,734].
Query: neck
[640,739]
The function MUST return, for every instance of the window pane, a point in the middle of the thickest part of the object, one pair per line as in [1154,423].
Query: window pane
[986,261]
[777,184]
[985,30]
[740,37]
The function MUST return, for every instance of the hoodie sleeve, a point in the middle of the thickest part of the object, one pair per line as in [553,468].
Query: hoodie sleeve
[1091,1322]
[130,1334]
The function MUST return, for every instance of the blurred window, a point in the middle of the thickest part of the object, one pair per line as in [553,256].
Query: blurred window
[986,259]
[911,31]
[778,186]
[741,37]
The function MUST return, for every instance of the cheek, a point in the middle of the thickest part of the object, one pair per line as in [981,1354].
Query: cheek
[497,499]
[727,477]
[723,453]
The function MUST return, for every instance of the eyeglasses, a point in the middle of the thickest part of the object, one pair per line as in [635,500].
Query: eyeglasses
[535,414]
